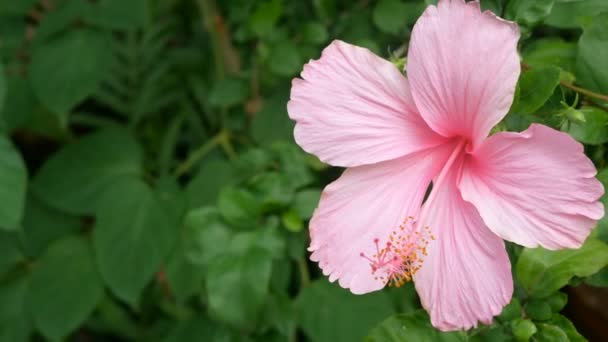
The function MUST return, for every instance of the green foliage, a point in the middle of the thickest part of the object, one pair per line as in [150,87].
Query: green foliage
[151,188]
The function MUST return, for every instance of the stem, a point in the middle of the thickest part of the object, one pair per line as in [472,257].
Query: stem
[584,91]
[208,10]
[304,274]
[200,152]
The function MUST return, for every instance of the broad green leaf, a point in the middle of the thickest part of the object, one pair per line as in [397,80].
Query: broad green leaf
[228,92]
[237,286]
[535,87]
[557,301]
[185,278]
[212,176]
[528,12]
[523,329]
[68,68]
[272,123]
[43,225]
[65,288]
[574,13]
[13,180]
[594,131]
[315,33]
[238,206]
[199,329]
[413,327]
[542,272]
[306,201]
[273,190]
[285,59]
[118,14]
[206,236]
[550,333]
[592,58]
[15,323]
[538,309]
[10,253]
[328,312]
[18,105]
[132,236]
[73,179]
[550,51]
[265,16]
[390,16]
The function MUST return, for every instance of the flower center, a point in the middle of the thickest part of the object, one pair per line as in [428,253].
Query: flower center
[402,255]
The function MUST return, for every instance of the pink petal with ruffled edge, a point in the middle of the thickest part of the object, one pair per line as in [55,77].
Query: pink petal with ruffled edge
[366,203]
[353,108]
[535,188]
[466,276]
[463,67]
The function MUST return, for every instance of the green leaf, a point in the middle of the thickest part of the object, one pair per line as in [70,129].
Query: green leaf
[211,177]
[535,87]
[550,333]
[550,51]
[511,312]
[237,286]
[238,206]
[414,327]
[10,254]
[528,12]
[265,17]
[13,179]
[65,288]
[15,323]
[306,201]
[567,327]
[542,272]
[68,68]
[390,16]
[314,33]
[292,221]
[523,329]
[594,131]
[73,179]
[272,123]
[592,58]
[329,313]
[228,92]
[285,59]
[2,87]
[574,13]
[199,329]
[18,105]
[132,236]
[538,310]
[118,14]
[43,225]
[206,236]
[557,301]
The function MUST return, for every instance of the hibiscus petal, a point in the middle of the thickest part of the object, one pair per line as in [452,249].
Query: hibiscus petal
[466,276]
[353,108]
[534,188]
[366,203]
[463,67]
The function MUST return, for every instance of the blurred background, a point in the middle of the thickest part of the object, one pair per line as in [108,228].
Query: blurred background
[150,188]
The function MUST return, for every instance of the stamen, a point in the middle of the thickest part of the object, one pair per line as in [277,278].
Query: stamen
[402,255]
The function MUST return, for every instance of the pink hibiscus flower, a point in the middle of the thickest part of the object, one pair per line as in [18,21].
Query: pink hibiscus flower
[398,135]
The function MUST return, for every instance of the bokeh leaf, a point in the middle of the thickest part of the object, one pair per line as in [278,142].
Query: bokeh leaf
[64,288]
[13,181]
[132,236]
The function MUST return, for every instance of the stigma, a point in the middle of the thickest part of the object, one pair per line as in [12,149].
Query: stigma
[401,256]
